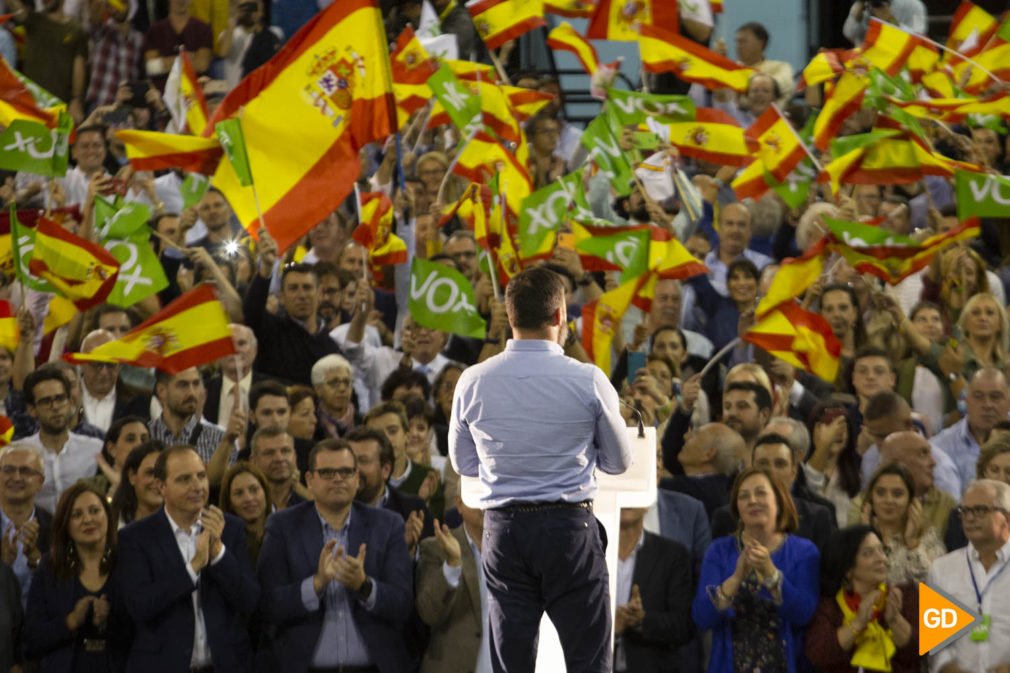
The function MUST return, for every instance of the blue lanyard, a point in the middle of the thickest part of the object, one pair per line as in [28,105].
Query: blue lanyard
[974,584]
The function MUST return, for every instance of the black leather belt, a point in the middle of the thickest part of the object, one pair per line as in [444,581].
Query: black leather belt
[525,506]
[345,669]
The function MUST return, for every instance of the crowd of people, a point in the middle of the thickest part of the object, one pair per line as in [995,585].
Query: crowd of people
[293,507]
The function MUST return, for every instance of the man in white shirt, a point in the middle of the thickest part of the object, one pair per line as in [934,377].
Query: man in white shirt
[103,397]
[67,455]
[976,576]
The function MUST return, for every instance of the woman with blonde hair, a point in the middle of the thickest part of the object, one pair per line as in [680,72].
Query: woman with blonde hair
[985,334]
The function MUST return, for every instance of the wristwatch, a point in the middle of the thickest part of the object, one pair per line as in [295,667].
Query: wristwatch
[365,590]
[773,581]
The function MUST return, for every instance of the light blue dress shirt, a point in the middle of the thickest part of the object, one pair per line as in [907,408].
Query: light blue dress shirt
[533,424]
[945,475]
[958,443]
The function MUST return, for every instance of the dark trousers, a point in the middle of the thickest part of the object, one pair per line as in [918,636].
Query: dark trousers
[549,560]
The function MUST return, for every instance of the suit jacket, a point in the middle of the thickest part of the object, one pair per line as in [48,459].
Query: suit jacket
[157,590]
[816,523]
[712,489]
[130,402]
[683,519]
[666,583]
[213,385]
[290,553]
[11,617]
[405,503]
[454,614]
[50,600]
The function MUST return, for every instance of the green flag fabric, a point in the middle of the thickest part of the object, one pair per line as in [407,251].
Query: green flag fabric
[604,149]
[43,98]
[23,245]
[982,194]
[442,298]
[544,211]
[229,133]
[628,250]
[631,107]
[122,230]
[463,108]
[193,189]
[31,147]
[118,219]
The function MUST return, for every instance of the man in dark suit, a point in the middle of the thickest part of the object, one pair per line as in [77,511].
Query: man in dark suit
[653,600]
[24,527]
[709,457]
[772,451]
[185,577]
[336,575]
[449,596]
[374,454]
[235,370]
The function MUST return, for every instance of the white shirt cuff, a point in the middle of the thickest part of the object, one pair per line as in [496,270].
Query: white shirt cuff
[452,574]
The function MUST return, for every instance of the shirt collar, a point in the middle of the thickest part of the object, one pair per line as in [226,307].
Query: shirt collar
[176,528]
[1002,554]
[326,524]
[534,345]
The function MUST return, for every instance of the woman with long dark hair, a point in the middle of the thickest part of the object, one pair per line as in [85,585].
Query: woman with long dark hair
[832,466]
[71,622]
[137,495]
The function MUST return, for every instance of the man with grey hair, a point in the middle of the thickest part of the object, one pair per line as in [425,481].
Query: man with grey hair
[975,577]
[236,370]
[24,526]
[103,396]
[333,380]
[710,456]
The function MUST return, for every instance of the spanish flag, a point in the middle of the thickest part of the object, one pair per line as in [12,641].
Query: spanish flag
[410,62]
[922,60]
[80,270]
[779,146]
[669,259]
[497,112]
[189,332]
[9,333]
[525,102]
[197,112]
[6,431]
[845,99]
[971,29]
[794,276]
[152,151]
[483,157]
[601,319]
[573,9]
[471,70]
[624,19]
[823,67]
[713,136]
[375,232]
[801,338]
[565,37]
[17,102]
[996,60]
[473,205]
[498,21]
[886,47]
[664,51]
[305,115]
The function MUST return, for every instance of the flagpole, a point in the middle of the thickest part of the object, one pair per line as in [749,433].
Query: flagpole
[429,108]
[165,239]
[256,196]
[945,48]
[813,157]
[455,160]
[715,358]
[504,232]
[499,68]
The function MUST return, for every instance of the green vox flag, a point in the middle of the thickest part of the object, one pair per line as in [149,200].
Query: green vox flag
[34,148]
[604,149]
[442,298]
[630,107]
[628,250]
[43,98]
[119,219]
[140,272]
[982,194]
[463,107]
[543,212]
[22,245]
[193,189]
[845,144]
[229,134]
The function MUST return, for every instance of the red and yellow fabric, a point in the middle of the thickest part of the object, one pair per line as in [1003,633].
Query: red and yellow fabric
[794,276]
[750,183]
[996,60]
[307,112]
[471,70]
[845,99]
[899,159]
[191,331]
[938,84]
[498,21]
[565,37]
[922,60]
[942,109]
[525,102]
[716,6]
[664,51]
[713,136]
[623,19]
[483,157]
[886,47]
[824,66]
[573,9]
[17,102]
[473,205]
[801,338]
[6,431]
[61,311]
[497,112]
[601,318]
[82,271]
[669,259]
[152,151]
[998,105]
[197,112]
[970,29]
[375,233]
[410,63]
[9,333]
[779,148]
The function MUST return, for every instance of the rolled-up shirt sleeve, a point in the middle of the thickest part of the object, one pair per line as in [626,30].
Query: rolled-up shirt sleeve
[611,437]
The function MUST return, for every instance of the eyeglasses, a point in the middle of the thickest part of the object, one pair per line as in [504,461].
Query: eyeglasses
[23,470]
[101,365]
[337,383]
[52,400]
[978,510]
[329,473]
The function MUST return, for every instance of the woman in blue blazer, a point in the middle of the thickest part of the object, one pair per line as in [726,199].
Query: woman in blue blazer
[71,621]
[759,588]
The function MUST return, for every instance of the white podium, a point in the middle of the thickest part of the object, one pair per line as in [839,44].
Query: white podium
[635,488]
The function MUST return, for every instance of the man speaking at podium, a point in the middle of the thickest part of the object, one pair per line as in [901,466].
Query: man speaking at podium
[532,425]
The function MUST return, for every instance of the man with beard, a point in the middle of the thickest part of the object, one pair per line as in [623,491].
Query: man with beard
[746,407]
[115,55]
[375,456]
[67,455]
[180,422]
[273,452]
[215,214]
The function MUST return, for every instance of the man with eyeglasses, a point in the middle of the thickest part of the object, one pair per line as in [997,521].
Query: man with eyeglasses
[462,247]
[103,396]
[24,525]
[67,455]
[977,576]
[335,575]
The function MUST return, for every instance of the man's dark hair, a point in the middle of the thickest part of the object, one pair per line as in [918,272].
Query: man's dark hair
[268,388]
[405,377]
[105,309]
[773,438]
[564,273]
[417,406]
[330,445]
[869,351]
[90,128]
[760,32]
[267,433]
[532,298]
[949,210]
[744,265]
[383,408]
[884,403]
[762,398]
[156,220]
[40,375]
[327,269]
[298,267]
[161,464]
[363,433]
